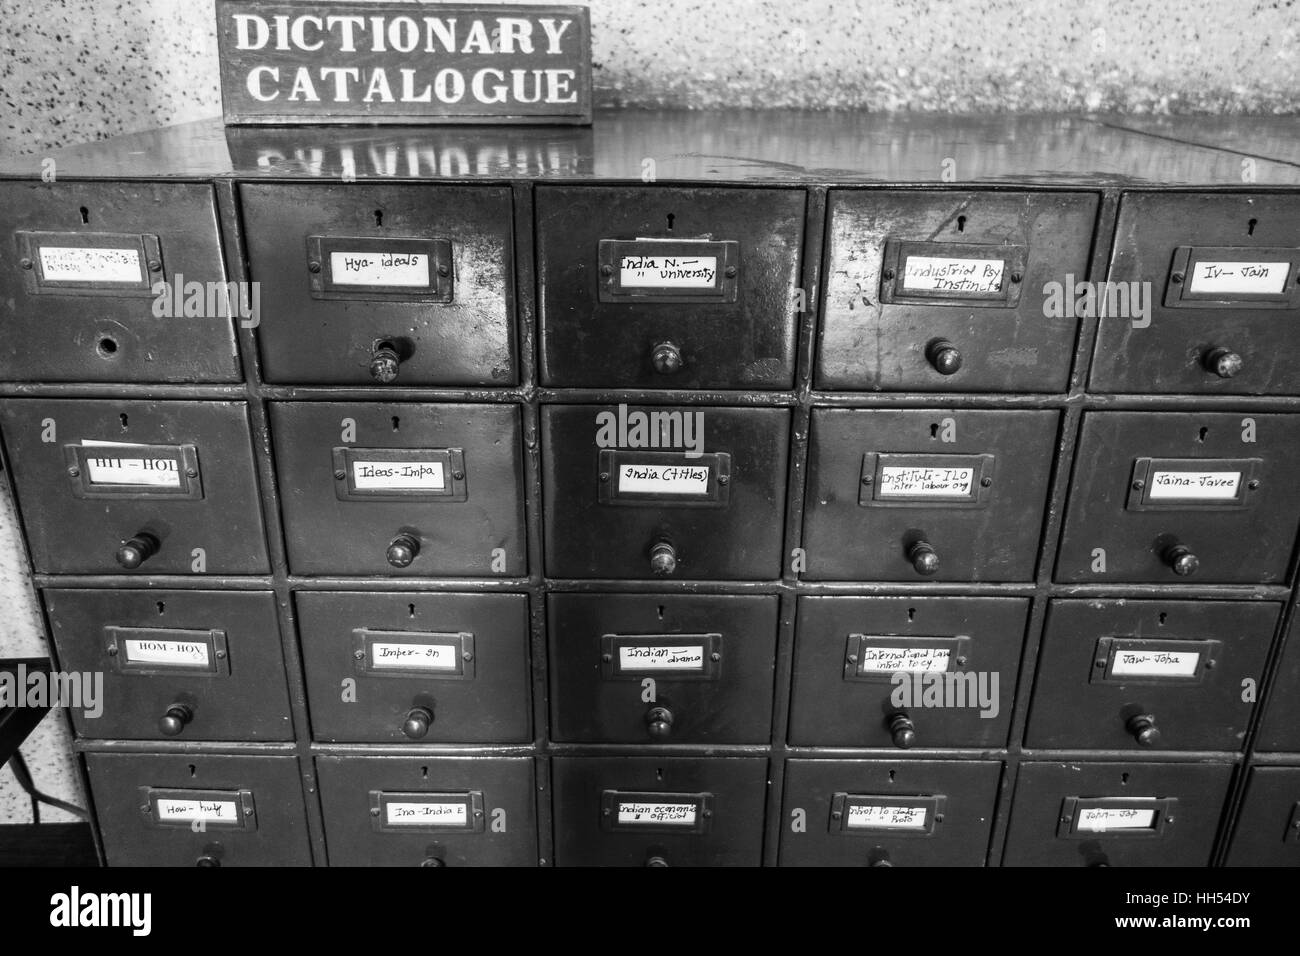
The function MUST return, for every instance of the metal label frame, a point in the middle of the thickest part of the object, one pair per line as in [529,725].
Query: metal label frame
[898,251]
[115,638]
[1179,296]
[148,246]
[1108,647]
[711,668]
[1139,486]
[610,800]
[611,252]
[472,800]
[841,802]
[1072,808]
[185,456]
[452,461]
[958,647]
[243,800]
[717,494]
[874,463]
[320,275]
[364,639]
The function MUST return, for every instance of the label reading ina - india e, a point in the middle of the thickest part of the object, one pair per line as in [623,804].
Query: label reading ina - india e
[424,814]
[398,476]
[71,264]
[166,653]
[401,269]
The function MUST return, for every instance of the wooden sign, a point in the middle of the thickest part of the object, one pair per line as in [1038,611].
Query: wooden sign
[401,63]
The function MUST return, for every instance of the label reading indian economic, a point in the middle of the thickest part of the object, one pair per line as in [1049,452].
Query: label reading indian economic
[1236,278]
[433,657]
[668,272]
[108,468]
[657,657]
[166,653]
[407,269]
[398,476]
[425,814]
[868,816]
[675,814]
[890,660]
[192,811]
[1115,818]
[664,479]
[1194,485]
[72,264]
[935,274]
[1154,663]
[903,481]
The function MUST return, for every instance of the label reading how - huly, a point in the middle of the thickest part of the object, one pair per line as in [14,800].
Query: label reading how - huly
[71,264]
[889,660]
[166,653]
[868,816]
[935,274]
[668,272]
[1115,818]
[405,269]
[1194,485]
[903,481]
[1237,278]
[425,814]
[657,657]
[109,468]
[664,479]
[673,814]
[1155,663]
[191,811]
[432,657]
[398,475]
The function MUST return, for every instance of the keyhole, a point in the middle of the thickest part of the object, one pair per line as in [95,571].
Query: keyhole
[193,770]
[1250,227]
[410,610]
[961,223]
[85,216]
[1123,779]
[161,607]
[424,772]
[1163,615]
[379,219]
[934,430]
[1204,432]
[671,217]
[397,423]
[911,615]
[659,773]
[891,776]
[123,419]
[661,612]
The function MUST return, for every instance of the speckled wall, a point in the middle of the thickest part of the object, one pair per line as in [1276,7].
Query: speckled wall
[73,70]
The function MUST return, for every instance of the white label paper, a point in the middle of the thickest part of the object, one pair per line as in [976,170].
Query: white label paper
[664,479]
[677,814]
[431,657]
[1194,486]
[173,653]
[110,469]
[69,264]
[406,269]
[189,811]
[668,272]
[426,814]
[398,475]
[651,657]
[1115,818]
[1154,663]
[1234,278]
[872,817]
[902,481]
[889,660]
[934,274]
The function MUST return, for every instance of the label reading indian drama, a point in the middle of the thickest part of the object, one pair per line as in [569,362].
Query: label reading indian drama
[680,814]
[901,481]
[651,657]
[1237,278]
[934,274]
[1155,663]
[668,272]
[664,479]
[173,653]
[872,817]
[889,660]
[407,269]
[192,811]
[398,475]
[107,468]
[70,264]
[1115,818]
[1194,485]
[424,814]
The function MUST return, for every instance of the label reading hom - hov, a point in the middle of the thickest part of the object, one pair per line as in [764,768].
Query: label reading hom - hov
[166,653]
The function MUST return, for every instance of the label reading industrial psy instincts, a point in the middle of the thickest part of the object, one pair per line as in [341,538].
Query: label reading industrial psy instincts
[169,810]
[388,269]
[1194,486]
[935,274]
[874,817]
[658,814]
[1115,818]
[426,814]
[109,468]
[398,475]
[890,660]
[901,481]
[71,264]
[432,657]
[668,272]
[651,657]
[1239,278]
[663,479]
[166,653]
[1155,663]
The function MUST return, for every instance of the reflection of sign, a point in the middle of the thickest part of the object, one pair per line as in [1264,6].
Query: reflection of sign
[1115,818]
[1239,278]
[67,264]
[933,274]
[872,817]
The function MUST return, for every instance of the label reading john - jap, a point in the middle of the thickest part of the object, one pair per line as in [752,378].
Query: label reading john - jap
[405,269]
[192,811]
[935,274]
[889,660]
[664,479]
[655,657]
[1115,818]
[1155,663]
[69,264]
[433,657]
[1239,278]
[398,475]
[874,817]
[425,814]
[673,814]
[668,272]
[1194,485]
[901,481]
[165,653]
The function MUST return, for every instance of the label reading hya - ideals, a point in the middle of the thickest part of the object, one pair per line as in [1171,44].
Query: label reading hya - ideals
[890,660]
[172,810]
[938,274]
[115,463]
[668,272]
[166,653]
[1239,278]
[399,656]
[1095,819]
[865,816]
[71,264]
[657,814]
[1194,485]
[427,814]
[901,481]
[1140,663]
[398,475]
[658,657]
[639,478]
[388,269]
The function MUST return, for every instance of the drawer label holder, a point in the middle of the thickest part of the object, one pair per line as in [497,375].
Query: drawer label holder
[100,263]
[664,656]
[117,470]
[1218,277]
[873,657]
[1193,484]
[925,481]
[399,474]
[458,811]
[192,809]
[1134,660]
[368,267]
[952,273]
[668,271]
[441,656]
[663,478]
[1127,817]
[149,651]
[855,814]
[642,812]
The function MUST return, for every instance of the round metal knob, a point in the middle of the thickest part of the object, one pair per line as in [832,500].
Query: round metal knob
[656,861]
[659,722]
[403,550]
[417,722]
[1181,560]
[432,861]
[207,860]
[943,356]
[1224,363]
[902,730]
[137,551]
[173,722]
[883,861]
[925,560]
[1144,730]
[878,856]
[385,363]
[663,558]
[667,358]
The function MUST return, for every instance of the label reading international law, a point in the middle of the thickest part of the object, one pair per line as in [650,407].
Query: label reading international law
[890,660]
[872,817]
[668,272]
[388,269]
[664,479]
[424,814]
[432,657]
[193,811]
[659,814]
[1155,663]
[1239,278]
[652,657]
[166,653]
[1194,486]
[398,476]
[901,481]
[935,274]
[69,264]
[1115,818]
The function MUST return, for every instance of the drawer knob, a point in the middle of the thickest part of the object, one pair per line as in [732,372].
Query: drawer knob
[943,356]
[663,557]
[902,730]
[385,363]
[879,856]
[925,560]
[211,856]
[1179,557]
[656,857]
[667,358]
[138,550]
[1224,363]
[174,721]
[417,722]
[659,723]
[1144,730]
[432,861]
[403,550]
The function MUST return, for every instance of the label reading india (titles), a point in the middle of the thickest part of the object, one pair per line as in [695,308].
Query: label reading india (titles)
[901,481]
[664,479]
[1115,818]
[398,475]
[668,272]
[1194,485]
[652,657]
[69,264]
[889,660]
[406,269]
[176,653]
[1155,663]
[424,814]
[873,817]
[433,657]
[934,274]
[1237,278]
[679,814]
[191,811]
